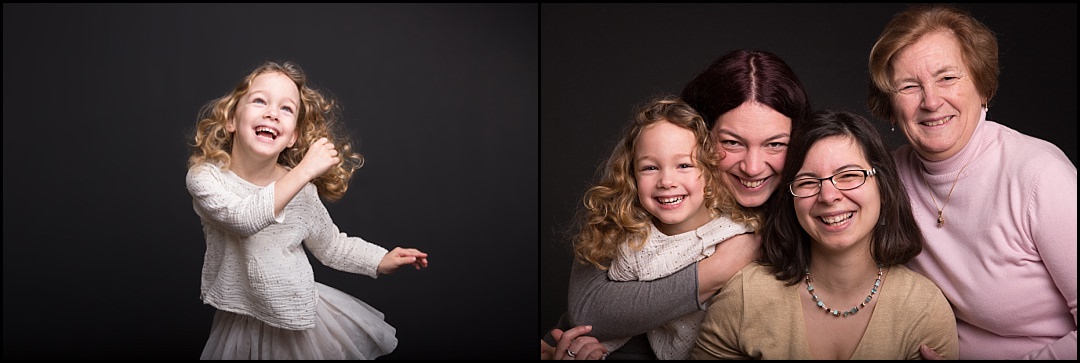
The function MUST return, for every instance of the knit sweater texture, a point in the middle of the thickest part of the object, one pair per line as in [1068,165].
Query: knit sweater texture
[255,262]
[660,256]
[1006,255]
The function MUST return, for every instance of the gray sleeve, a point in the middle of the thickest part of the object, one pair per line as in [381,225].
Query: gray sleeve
[619,309]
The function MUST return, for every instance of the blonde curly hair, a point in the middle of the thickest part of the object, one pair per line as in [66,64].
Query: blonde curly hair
[613,214]
[318,117]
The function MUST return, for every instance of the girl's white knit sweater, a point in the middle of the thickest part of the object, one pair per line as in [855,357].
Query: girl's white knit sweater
[254,262]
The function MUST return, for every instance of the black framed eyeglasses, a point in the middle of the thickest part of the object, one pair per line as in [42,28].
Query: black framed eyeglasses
[844,180]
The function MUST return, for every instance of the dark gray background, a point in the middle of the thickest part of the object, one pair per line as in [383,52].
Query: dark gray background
[599,61]
[102,250]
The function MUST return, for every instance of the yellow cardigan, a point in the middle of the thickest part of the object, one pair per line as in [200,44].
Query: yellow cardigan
[756,316]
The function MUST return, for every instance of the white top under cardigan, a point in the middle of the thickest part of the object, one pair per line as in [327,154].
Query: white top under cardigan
[254,263]
[662,255]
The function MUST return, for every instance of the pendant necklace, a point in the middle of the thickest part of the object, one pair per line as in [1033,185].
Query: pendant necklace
[940,210]
[834,312]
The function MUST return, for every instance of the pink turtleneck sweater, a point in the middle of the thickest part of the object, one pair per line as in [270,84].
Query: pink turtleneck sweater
[1006,255]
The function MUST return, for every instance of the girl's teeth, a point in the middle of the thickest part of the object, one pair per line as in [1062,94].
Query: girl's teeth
[670,200]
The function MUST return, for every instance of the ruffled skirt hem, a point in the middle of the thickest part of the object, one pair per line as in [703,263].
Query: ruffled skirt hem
[345,328]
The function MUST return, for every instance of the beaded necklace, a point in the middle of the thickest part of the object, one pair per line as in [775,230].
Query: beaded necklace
[834,312]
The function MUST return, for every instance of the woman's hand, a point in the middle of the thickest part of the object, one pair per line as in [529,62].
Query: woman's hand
[573,345]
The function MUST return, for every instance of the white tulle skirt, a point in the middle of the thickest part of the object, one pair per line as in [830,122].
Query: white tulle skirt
[345,328]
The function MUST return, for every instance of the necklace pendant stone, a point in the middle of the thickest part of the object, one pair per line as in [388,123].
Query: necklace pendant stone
[940,220]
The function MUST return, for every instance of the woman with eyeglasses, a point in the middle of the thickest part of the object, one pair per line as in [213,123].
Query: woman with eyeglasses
[831,283]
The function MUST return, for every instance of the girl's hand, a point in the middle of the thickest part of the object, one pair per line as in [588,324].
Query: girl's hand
[320,157]
[402,256]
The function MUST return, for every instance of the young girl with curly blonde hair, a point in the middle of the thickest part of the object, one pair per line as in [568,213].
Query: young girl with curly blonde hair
[263,155]
[661,204]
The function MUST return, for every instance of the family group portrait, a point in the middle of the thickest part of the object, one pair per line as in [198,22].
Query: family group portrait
[808,181]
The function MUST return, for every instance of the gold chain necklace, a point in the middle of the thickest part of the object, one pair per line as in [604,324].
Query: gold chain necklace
[940,218]
[834,312]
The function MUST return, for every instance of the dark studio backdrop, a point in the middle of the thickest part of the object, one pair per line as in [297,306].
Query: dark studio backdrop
[600,61]
[102,249]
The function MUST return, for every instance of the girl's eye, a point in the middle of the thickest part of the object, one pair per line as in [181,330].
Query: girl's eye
[287,109]
[258,100]
[648,167]
[686,165]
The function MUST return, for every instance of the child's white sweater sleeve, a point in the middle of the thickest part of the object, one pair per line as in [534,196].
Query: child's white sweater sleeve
[332,247]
